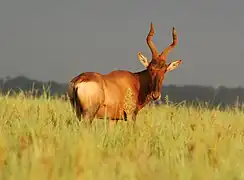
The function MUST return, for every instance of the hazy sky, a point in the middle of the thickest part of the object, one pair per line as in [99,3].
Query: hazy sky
[57,39]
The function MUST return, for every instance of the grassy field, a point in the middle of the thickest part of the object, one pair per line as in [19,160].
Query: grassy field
[40,139]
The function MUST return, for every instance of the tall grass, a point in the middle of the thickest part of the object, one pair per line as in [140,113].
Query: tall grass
[41,139]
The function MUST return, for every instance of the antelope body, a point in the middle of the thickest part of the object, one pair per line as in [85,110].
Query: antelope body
[120,94]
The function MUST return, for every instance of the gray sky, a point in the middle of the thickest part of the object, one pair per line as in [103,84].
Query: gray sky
[57,39]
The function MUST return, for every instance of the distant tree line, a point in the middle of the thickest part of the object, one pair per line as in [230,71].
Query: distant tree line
[191,94]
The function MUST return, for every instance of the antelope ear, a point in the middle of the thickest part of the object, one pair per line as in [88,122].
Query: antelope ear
[173,65]
[143,59]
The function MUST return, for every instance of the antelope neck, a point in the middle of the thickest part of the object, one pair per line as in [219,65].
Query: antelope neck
[144,80]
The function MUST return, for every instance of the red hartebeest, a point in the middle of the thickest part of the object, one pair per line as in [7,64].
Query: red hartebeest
[120,94]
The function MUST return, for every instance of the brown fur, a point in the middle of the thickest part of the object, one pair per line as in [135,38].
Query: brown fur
[121,94]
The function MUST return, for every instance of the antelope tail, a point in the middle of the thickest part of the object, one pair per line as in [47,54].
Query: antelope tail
[73,97]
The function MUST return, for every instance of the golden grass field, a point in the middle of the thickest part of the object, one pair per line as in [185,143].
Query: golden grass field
[41,139]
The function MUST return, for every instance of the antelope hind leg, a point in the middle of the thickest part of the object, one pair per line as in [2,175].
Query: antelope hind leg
[89,115]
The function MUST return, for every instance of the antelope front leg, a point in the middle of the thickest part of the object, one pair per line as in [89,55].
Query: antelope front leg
[112,123]
[131,118]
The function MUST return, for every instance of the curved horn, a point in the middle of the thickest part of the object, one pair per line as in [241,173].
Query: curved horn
[150,43]
[166,51]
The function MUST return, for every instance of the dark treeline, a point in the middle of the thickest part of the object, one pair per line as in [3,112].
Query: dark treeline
[222,96]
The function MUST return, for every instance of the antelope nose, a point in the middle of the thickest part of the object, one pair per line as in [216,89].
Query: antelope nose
[156,96]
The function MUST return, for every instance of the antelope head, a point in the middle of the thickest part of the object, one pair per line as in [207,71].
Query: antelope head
[158,66]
